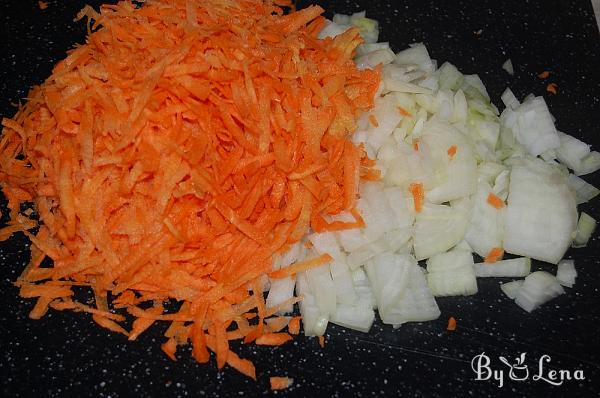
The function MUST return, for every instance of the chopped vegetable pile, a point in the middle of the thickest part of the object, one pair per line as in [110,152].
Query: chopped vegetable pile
[210,153]
[173,154]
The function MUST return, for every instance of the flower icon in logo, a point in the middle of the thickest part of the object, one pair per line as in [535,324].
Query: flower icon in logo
[519,370]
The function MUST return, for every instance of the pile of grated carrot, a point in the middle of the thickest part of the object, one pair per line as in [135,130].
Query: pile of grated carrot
[174,154]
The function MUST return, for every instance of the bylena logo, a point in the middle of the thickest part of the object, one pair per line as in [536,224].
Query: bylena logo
[518,371]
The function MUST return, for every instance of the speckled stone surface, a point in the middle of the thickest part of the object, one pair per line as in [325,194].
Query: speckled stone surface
[65,354]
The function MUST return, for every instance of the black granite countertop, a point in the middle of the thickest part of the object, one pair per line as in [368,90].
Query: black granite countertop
[66,354]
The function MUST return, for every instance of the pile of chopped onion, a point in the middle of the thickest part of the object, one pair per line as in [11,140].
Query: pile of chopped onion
[459,181]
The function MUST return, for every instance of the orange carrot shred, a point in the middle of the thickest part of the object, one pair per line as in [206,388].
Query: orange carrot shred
[280,382]
[294,325]
[552,88]
[373,120]
[322,341]
[404,112]
[418,194]
[495,201]
[416,142]
[544,75]
[169,348]
[218,134]
[273,339]
[494,255]
[301,266]
[452,151]
[451,324]
[42,5]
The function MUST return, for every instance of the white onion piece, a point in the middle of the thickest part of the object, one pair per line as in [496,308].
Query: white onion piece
[401,290]
[387,274]
[541,213]
[374,58]
[322,286]
[486,226]
[583,191]
[363,288]
[454,176]
[417,303]
[532,126]
[450,77]
[438,228]
[474,82]
[512,268]
[509,99]
[566,273]
[342,279]
[355,317]
[538,288]
[313,321]
[451,274]
[416,54]
[585,228]
[589,164]
[332,29]
[280,291]
[511,288]
[508,67]
[571,151]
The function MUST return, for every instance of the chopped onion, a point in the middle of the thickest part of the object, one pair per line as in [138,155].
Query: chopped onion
[451,274]
[585,227]
[532,125]
[541,213]
[538,288]
[511,288]
[511,268]
[509,99]
[508,67]
[566,273]
[583,191]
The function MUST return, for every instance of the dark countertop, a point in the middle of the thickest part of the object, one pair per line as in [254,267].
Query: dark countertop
[66,354]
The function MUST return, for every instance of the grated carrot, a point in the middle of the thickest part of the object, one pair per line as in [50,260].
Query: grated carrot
[273,339]
[42,5]
[404,112]
[373,120]
[294,325]
[416,142]
[544,75]
[495,201]
[321,341]
[451,324]
[552,88]
[280,383]
[218,133]
[418,194]
[452,150]
[494,255]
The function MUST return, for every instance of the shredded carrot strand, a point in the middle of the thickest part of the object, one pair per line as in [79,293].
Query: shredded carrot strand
[280,383]
[451,324]
[294,325]
[416,143]
[373,120]
[418,194]
[218,134]
[544,75]
[321,341]
[494,255]
[452,151]
[301,266]
[495,201]
[273,339]
[552,88]
[404,112]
